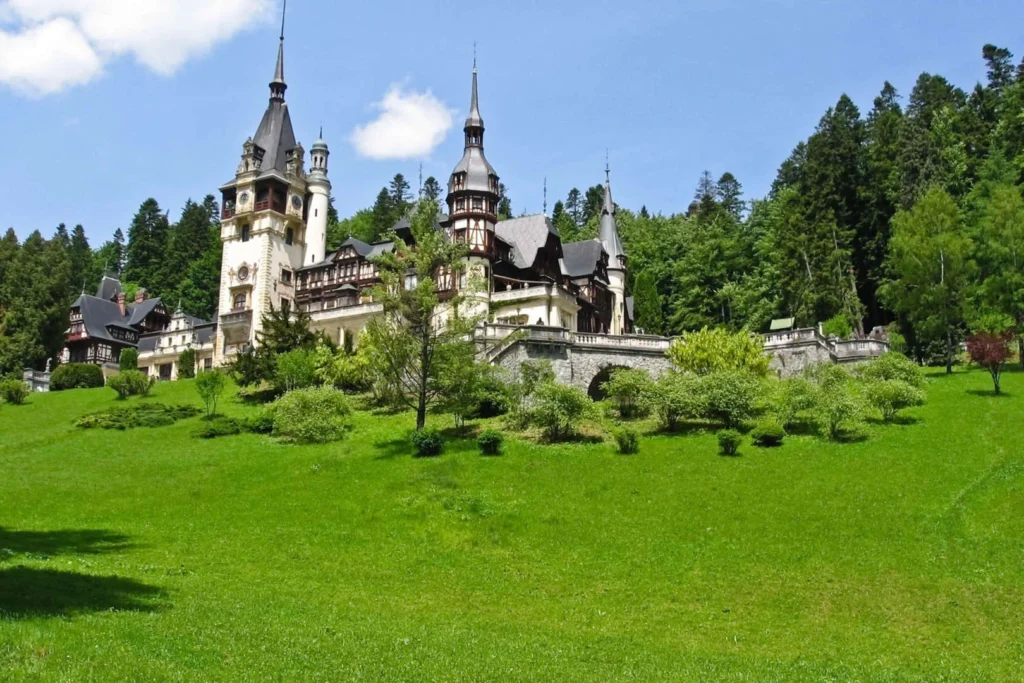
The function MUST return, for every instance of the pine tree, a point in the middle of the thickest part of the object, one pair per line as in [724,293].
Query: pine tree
[399,192]
[504,203]
[188,241]
[999,63]
[730,195]
[432,189]
[147,242]
[647,304]
[592,202]
[574,207]
[706,195]
[383,214]
[83,267]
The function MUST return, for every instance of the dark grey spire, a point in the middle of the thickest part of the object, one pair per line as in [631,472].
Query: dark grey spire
[609,230]
[278,86]
[474,122]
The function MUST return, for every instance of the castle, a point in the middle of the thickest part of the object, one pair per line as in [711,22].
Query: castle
[274,234]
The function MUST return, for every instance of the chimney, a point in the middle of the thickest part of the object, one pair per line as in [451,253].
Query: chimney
[120,302]
[140,295]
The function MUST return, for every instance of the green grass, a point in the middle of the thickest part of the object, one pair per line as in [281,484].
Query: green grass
[150,555]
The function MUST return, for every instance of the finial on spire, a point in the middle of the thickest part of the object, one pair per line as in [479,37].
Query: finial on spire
[607,168]
[545,195]
[278,86]
[321,131]
[474,56]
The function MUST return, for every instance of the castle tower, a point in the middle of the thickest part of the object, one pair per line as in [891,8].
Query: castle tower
[609,236]
[319,201]
[263,223]
[473,207]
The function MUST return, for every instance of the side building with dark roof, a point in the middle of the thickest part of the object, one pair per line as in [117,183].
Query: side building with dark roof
[159,352]
[104,324]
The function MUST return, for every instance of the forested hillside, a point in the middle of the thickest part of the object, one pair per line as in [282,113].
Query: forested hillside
[909,215]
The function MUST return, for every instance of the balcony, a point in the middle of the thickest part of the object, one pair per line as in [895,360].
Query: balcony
[227,213]
[270,205]
[236,326]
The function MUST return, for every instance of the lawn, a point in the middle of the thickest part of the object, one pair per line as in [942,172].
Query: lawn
[150,555]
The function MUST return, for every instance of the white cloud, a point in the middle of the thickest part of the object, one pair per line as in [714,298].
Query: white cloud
[410,125]
[56,44]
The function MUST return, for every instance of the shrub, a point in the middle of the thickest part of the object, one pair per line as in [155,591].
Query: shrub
[217,427]
[427,443]
[13,391]
[128,360]
[490,442]
[629,390]
[295,370]
[713,350]
[838,409]
[768,434]
[837,326]
[76,376]
[677,397]
[991,350]
[251,368]
[893,366]
[130,383]
[493,395]
[560,409]
[627,441]
[138,415]
[262,422]
[790,398]
[313,415]
[341,369]
[187,364]
[890,396]
[731,396]
[210,385]
[729,441]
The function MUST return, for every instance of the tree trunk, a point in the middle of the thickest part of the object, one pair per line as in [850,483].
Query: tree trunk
[949,353]
[1020,347]
[995,381]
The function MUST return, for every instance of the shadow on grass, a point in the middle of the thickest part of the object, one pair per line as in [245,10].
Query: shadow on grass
[394,448]
[62,542]
[899,420]
[988,393]
[26,592]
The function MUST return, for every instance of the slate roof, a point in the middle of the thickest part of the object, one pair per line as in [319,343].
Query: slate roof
[99,314]
[366,251]
[526,235]
[275,136]
[629,307]
[609,230]
[580,259]
[109,288]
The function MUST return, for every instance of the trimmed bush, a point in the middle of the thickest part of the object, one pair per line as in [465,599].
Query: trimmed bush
[729,441]
[790,398]
[677,397]
[76,376]
[768,434]
[130,383]
[627,441]
[427,443]
[890,396]
[893,366]
[314,415]
[490,442]
[128,360]
[295,370]
[560,409]
[731,396]
[13,391]
[260,423]
[217,427]
[138,415]
[838,409]
[716,350]
[629,391]
[187,364]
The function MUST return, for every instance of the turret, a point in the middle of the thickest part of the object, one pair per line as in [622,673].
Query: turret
[612,245]
[319,202]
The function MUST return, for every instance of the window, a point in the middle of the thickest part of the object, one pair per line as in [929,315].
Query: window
[245,233]
[207,364]
[286,305]
[289,236]
[478,204]
[286,276]
[239,304]
[460,204]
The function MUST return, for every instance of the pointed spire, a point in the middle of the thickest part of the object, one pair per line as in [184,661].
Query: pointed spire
[474,120]
[278,86]
[609,230]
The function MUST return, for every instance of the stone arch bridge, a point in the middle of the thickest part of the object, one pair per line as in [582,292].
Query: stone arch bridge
[579,359]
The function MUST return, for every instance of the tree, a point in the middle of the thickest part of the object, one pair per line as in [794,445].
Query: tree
[1000,246]
[383,215]
[186,364]
[730,195]
[718,350]
[128,360]
[399,193]
[999,63]
[504,203]
[147,243]
[189,241]
[574,207]
[432,189]
[592,203]
[110,257]
[561,408]
[991,350]
[647,303]
[416,330]
[83,267]
[360,225]
[210,385]
[929,258]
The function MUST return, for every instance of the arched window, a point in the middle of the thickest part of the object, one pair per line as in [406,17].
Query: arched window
[239,304]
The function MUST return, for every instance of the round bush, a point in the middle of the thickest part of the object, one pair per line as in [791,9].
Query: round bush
[128,360]
[628,441]
[428,443]
[130,383]
[260,423]
[76,376]
[217,427]
[768,434]
[315,415]
[13,391]
[729,441]
[490,442]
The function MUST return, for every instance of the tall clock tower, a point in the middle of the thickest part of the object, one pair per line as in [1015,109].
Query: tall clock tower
[273,221]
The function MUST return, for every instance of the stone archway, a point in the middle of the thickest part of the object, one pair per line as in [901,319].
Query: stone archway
[594,389]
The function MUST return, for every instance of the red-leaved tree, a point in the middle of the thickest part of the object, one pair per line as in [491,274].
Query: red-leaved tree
[991,350]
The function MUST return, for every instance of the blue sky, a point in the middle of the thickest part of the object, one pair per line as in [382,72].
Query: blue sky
[131,105]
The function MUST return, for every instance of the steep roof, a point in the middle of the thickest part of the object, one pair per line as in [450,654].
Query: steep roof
[580,259]
[99,314]
[109,288]
[609,230]
[526,235]
[275,136]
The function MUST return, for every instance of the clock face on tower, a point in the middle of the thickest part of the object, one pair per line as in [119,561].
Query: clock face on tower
[243,198]
[296,202]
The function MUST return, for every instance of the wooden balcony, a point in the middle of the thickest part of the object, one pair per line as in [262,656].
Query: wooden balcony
[270,205]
